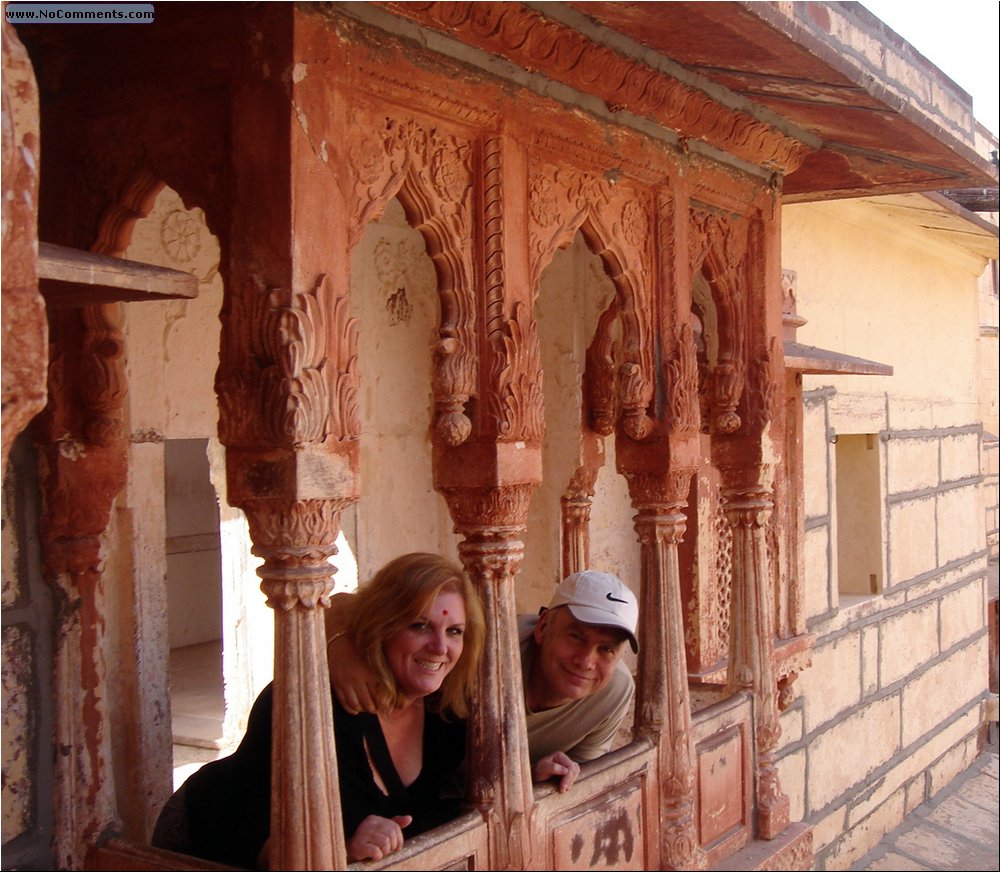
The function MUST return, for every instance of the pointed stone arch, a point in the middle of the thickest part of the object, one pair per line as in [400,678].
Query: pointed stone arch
[431,173]
[614,220]
[718,250]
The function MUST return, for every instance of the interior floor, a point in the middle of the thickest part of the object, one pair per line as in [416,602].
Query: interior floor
[198,706]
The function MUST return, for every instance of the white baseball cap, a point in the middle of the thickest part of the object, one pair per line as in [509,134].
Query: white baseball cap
[600,598]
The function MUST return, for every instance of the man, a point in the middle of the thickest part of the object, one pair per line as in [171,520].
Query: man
[577,689]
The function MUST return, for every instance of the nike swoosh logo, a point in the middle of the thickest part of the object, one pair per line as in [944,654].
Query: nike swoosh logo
[615,599]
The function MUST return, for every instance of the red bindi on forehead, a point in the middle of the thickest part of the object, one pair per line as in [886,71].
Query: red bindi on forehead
[444,611]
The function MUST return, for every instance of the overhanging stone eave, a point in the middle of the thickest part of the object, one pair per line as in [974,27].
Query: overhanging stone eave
[820,361]
[942,153]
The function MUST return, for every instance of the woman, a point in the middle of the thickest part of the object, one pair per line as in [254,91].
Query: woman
[419,626]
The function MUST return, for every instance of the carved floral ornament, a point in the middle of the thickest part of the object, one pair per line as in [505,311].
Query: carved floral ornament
[518,401]
[681,371]
[432,172]
[103,384]
[493,513]
[291,393]
[599,383]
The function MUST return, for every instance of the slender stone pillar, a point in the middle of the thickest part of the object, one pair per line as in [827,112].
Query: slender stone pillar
[751,643]
[575,533]
[83,469]
[295,539]
[663,705]
[492,520]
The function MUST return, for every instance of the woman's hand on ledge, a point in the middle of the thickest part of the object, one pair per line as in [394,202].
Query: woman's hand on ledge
[377,837]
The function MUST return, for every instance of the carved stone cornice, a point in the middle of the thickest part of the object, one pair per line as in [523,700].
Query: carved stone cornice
[537,43]
[387,85]
[648,167]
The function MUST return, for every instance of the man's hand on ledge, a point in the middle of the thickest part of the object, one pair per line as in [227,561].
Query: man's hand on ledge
[559,766]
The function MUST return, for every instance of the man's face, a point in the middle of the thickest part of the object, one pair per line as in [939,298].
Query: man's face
[574,659]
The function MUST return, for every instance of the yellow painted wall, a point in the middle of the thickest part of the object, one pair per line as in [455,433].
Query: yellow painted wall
[890,462]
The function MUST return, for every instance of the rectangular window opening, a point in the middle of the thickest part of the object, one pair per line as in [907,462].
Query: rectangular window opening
[860,552]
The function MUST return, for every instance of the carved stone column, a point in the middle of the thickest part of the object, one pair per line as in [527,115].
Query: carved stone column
[290,426]
[295,539]
[576,502]
[287,385]
[663,706]
[492,520]
[83,797]
[751,641]
[25,331]
[83,469]
[575,532]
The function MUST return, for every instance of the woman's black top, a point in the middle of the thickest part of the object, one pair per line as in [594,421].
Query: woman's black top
[228,801]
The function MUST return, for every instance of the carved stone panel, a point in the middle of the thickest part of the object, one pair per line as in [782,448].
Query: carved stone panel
[724,749]
[605,833]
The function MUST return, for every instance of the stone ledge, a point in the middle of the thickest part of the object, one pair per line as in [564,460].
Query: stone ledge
[793,849]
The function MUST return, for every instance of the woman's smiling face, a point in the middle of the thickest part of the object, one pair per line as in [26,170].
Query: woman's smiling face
[424,652]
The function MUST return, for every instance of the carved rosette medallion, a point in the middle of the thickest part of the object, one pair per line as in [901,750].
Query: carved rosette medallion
[634,224]
[560,200]
[180,235]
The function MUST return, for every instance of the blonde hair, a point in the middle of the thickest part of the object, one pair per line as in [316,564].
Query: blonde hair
[395,596]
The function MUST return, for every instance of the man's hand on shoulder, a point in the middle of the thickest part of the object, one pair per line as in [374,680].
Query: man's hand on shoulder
[354,683]
[557,765]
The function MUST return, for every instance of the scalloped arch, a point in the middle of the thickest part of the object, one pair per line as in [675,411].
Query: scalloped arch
[444,231]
